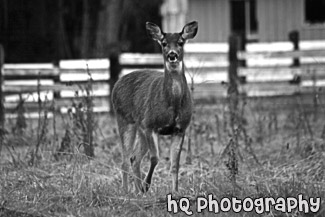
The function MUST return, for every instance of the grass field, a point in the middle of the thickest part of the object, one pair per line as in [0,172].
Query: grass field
[278,152]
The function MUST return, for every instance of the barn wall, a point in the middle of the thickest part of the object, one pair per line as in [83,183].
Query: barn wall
[213,17]
[276,18]
[312,33]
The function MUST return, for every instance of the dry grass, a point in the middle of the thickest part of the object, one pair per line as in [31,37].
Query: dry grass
[283,155]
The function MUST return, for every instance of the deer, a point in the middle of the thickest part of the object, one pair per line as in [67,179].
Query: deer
[150,103]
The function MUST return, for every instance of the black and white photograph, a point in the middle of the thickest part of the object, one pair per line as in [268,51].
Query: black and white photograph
[162,108]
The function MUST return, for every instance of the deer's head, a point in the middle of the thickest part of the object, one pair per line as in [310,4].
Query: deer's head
[172,44]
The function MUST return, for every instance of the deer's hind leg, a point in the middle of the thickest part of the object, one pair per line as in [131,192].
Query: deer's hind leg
[140,151]
[127,133]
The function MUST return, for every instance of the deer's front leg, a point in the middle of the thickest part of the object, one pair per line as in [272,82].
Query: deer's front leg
[175,158]
[154,158]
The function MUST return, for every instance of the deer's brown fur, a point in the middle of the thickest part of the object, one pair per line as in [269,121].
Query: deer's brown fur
[149,103]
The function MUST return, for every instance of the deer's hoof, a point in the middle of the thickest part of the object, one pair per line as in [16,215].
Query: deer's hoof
[145,187]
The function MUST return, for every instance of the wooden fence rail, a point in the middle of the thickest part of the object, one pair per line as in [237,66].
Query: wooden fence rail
[270,69]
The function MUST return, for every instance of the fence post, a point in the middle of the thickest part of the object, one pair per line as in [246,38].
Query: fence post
[232,92]
[2,109]
[115,69]
[56,79]
[233,65]
[294,38]
[232,97]
[242,47]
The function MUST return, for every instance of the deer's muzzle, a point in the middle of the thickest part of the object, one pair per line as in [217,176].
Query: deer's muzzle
[172,57]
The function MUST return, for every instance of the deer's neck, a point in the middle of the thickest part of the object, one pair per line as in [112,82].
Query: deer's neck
[175,84]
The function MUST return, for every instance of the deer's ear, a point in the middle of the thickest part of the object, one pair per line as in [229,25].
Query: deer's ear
[154,31]
[189,31]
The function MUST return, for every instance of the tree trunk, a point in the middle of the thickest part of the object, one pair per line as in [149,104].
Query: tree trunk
[108,27]
[63,45]
[2,110]
[85,30]
[108,37]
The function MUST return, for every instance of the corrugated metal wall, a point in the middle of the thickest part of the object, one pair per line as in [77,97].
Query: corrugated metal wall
[213,17]
[276,18]
[313,33]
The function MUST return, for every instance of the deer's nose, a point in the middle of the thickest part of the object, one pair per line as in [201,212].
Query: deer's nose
[172,56]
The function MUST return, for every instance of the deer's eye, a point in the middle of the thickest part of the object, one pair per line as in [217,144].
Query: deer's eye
[164,43]
[180,43]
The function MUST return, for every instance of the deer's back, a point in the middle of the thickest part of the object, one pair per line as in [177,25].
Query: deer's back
[139,97]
